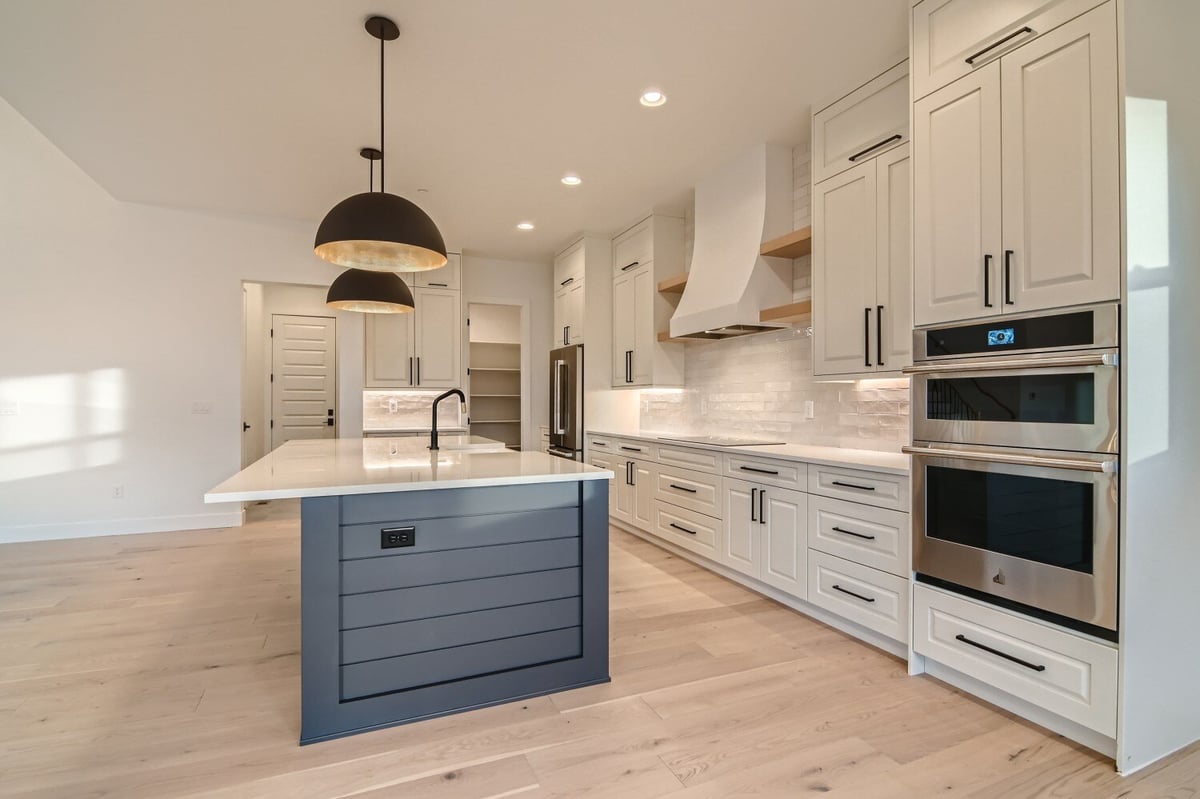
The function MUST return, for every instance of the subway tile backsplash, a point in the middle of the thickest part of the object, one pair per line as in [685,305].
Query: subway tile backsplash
[412,409]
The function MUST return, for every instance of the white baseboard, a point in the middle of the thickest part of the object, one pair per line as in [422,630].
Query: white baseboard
[145,524]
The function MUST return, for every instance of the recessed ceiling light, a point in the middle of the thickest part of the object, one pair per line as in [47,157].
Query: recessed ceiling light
[653,98]
[524,226]
[571,179]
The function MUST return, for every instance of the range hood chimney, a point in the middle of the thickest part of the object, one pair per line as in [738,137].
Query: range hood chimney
[744,203]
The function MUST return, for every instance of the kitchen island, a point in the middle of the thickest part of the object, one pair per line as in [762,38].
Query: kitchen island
[433,583]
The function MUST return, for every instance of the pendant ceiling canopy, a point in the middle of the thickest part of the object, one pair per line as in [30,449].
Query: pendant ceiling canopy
[377,231]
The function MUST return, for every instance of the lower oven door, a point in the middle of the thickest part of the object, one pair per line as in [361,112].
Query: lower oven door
[1029,526]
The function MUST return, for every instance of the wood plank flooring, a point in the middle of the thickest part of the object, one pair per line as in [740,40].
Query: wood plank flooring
[166,665]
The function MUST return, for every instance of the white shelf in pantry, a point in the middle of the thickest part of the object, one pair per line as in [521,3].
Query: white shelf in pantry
[494,369]
[495,421]
[493,396]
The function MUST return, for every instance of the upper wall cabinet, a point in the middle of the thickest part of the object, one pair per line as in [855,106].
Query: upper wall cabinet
[1017,180]
[646,253]
[569,295]
[448,277]
[951,38]
[419,349]
[863,124]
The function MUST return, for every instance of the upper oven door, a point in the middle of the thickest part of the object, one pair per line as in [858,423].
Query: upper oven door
[1068,402]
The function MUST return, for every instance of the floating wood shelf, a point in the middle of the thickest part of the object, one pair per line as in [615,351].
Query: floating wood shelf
[792,312]
[665,335]
[673,285]
[796,244]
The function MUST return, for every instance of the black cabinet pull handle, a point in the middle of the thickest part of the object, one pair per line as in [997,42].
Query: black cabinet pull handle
[628,473]
[753,496]
[440,285]
[866,336]
[852,485]
[410,371]
[1008,254]
[837,587]
[998,653]
[851,532]
[987,281]
[683,488]
[631,449]
[677,527]
[876,146]
[629,266]
[971,58]
[596,443]
[879,335]
[568,281]
[757,470]
[418,370]
[762,516]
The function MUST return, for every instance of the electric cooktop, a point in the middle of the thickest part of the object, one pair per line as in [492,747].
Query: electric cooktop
[721,441]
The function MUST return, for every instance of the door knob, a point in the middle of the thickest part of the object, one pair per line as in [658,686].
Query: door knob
[245,427]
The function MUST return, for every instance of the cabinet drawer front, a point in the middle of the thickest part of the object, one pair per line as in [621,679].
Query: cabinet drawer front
[461,662]
[407,604]
[776,473]
[865,123]
[383,574]
[635,245]
[874,537]
[688,529]
[688,489]
[1064,673]
[637,450]
[870,488]
[874,599]
[698,459]
[602,443]
[431,535]
[425,635]
[945,33]
[454,502]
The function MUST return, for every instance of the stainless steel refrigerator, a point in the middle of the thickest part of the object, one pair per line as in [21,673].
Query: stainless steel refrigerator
[566,402]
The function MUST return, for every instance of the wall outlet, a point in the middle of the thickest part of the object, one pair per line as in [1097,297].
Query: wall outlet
[393,406]
[809,412]
[202,407]
[10,408]
[118,492]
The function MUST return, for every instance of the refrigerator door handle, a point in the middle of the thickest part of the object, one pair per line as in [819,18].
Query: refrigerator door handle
[560,384]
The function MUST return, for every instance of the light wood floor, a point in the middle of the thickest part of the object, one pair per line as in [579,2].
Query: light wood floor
[166,665]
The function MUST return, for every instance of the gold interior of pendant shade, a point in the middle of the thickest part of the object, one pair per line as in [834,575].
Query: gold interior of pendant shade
[369,306]
[380,256]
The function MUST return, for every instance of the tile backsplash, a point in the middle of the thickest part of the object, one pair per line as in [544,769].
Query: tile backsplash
[411,409]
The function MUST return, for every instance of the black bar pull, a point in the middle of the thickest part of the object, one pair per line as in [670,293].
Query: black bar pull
[418,370]
[410,371]
[998,653]
[567,282]
[852,485]
[757,470]
[866,336]
[568,334]
[837,587]
[876,146]
[971,58]
[987,281]
[879,335]
[631,449]
[628,473]
[851,532]
[440,285]
[565,339]
[684,529]
[629,266]
[1008,254]
[683,488]
[762,516]
[753,497]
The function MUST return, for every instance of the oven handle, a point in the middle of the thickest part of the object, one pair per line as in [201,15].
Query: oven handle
[991,456]
[1008,364]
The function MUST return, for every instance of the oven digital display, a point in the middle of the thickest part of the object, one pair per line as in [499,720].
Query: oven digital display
[1002,337]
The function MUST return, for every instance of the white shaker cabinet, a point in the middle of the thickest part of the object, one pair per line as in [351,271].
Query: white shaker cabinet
[783,520]
[739,550]
[446,277]
[893,260]
[952,38]
[568,314]
[390,350]
[418,349]
[644,254]
[861,125]
[1032,223]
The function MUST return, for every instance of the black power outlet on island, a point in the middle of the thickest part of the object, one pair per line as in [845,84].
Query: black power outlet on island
[393,537]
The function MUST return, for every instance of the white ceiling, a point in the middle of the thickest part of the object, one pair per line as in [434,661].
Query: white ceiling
[259,106]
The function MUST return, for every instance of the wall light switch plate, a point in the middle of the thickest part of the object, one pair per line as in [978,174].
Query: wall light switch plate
[202,407]
[809,413]
[392,406]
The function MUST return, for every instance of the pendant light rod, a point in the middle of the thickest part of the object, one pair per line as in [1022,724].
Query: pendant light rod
[385,31]
[372,155]
[382,146]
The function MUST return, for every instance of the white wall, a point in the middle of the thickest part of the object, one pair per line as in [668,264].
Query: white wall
[116,319]
[497,280]
[254,376]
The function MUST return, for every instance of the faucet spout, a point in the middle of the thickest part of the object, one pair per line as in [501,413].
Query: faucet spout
[433,431]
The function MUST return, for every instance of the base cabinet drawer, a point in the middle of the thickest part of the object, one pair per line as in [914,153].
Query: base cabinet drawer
[866,596]
[783,474]
[698,459]
[688,489]
[871,488]
[1064,673]
[875,537]
[692,531]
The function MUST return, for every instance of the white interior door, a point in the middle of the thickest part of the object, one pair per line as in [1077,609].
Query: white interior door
[303,378]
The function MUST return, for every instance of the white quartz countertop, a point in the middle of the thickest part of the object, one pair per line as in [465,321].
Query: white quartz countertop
[339,466]
[866,459]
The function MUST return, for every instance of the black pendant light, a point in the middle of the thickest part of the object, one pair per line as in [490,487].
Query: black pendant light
[370,292]
[378,231]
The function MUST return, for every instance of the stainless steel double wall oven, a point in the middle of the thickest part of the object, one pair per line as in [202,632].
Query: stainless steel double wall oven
[1015,455]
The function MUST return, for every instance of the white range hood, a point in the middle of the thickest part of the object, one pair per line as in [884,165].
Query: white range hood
[744,203]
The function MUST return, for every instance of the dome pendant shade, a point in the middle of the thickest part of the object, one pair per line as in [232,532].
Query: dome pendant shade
[380,232]
[370,292]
